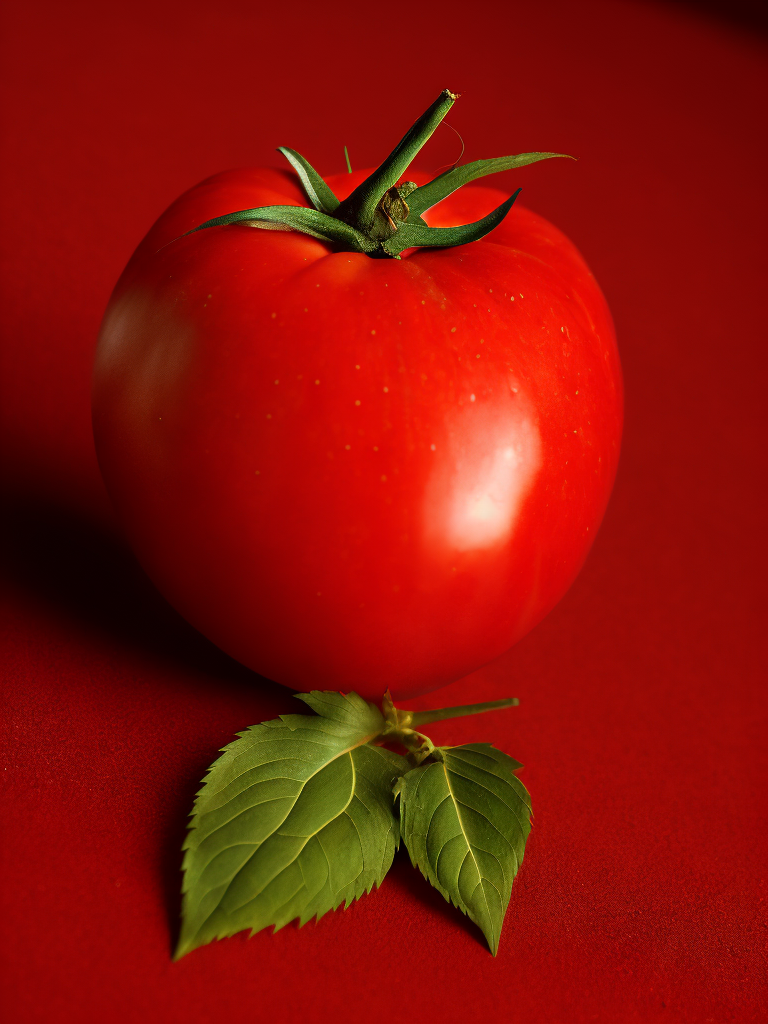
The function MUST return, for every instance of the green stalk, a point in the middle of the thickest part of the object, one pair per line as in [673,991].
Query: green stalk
[425,717]
[359,208]
[403,726]
[380,217]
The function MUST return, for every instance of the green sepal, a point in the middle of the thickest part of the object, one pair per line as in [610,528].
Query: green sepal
[318,192]
[465,818]
[379,217]
[359,208]
[296,218]
[422,199]
[294,819]
[419,234]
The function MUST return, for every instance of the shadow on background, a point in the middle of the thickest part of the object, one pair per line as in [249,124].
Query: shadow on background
[53,559]
[410,880]
[749,15]
[52,556]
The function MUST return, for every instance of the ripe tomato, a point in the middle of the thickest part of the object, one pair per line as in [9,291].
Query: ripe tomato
[356,473]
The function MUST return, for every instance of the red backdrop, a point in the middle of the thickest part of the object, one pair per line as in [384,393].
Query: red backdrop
[642,716]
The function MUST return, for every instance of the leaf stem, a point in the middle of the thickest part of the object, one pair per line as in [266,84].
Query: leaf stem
[424,717]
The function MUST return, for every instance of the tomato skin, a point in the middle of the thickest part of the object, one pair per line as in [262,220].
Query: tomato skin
[355,473]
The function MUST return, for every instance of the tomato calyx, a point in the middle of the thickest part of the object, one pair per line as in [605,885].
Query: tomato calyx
[381,218]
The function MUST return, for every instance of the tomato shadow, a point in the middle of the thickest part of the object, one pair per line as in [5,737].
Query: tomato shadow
[82,576]
[87,578]
[90,579]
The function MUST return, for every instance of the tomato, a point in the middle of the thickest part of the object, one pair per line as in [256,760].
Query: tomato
[356,473]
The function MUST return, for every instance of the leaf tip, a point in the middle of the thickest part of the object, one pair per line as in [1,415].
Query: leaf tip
[183,946]
[491,933]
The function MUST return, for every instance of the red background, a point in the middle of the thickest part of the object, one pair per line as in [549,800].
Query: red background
[642,716]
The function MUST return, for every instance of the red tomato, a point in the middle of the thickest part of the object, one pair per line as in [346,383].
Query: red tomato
[356,473]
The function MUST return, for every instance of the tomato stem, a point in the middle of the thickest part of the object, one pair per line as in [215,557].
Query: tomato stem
[359,208]
[380,217]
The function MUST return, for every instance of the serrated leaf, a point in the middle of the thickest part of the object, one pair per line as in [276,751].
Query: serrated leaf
[465,819]
[294,819]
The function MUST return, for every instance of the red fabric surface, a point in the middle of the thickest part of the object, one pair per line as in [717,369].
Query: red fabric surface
[642,716]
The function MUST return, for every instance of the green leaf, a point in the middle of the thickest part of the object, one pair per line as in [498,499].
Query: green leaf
[294,819]
[319,194]
[295,218]
[422,199]
[465,819]
[408,235]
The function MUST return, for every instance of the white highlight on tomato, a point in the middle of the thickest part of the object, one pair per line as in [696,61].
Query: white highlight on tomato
[484,473]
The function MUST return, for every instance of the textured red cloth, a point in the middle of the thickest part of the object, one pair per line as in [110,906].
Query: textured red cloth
[642,717]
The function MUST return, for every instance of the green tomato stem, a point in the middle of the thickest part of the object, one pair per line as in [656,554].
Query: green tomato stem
[380,217]
[359,208]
